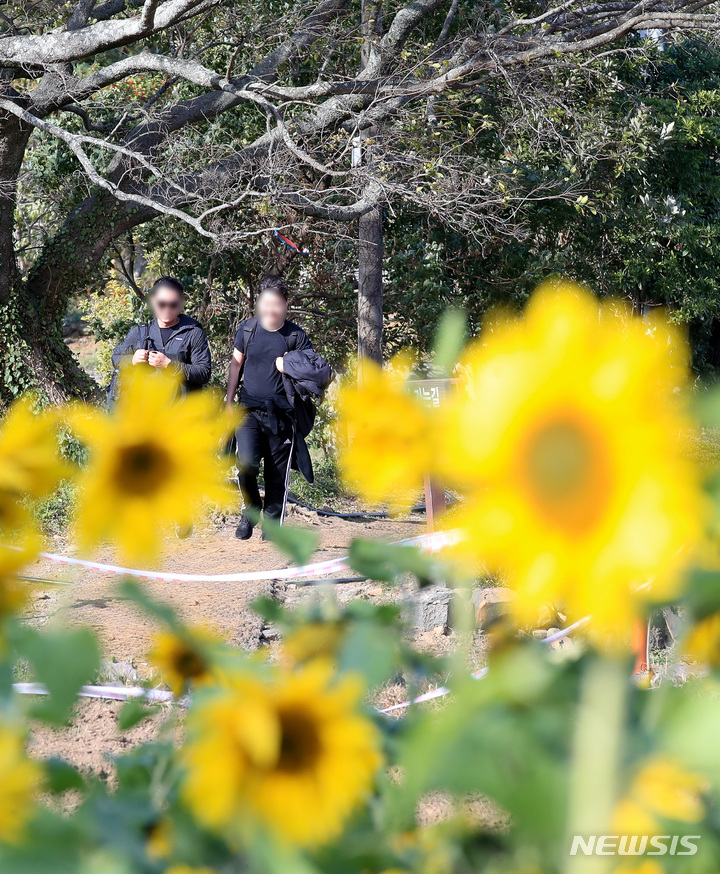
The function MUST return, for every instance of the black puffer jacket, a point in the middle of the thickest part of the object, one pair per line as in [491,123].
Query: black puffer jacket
[305,378]
[309,371]
[187,347]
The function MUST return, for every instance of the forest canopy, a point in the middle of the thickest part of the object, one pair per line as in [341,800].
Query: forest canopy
[493,144]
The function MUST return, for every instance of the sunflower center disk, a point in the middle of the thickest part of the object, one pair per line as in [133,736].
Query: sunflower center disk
[299,742]
[564,470]
[190,664]
[142,468]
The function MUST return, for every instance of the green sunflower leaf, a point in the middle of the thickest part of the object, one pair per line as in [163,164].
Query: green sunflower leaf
[449,340]
[384,562]
[133,712]
[62,661]
[297,543]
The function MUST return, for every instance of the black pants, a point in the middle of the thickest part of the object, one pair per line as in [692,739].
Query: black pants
[257,443]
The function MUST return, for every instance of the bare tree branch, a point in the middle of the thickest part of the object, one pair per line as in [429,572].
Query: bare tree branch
[147,17]
[62,46]
[80,16]
[114,7]
[75,143]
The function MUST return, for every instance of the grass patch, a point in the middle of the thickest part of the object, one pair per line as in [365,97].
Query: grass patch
[327,490]
[53,514]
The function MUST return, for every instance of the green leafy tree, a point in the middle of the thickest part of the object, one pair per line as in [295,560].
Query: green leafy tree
[233,119]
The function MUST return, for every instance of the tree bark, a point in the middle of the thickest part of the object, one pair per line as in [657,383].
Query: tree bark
[14,136]
[69,262]
[370,285]
[370,229]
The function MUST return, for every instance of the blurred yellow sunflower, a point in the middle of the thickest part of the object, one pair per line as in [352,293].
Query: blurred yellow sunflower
[153,463]
[29,460]
[316,640]
[183,659]
[667,789]
[647,866]
[384,450]
[30,466]
[294,755]
[159,839]
[15,517]
[566,444]
[660,788]
[702,642]
[12,559]
[19,779]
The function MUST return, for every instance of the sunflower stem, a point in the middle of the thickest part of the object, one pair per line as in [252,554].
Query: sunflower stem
[596,759]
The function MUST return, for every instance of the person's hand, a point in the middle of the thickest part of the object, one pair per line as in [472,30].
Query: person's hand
[229,406]
[140,356]
[158,359]
[280,364]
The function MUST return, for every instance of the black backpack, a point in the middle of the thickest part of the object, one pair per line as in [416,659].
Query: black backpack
[250,326]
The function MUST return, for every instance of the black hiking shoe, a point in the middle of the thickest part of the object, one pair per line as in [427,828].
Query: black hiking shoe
[245,529]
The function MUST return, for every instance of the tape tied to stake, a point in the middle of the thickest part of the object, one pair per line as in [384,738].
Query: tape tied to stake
[428,542]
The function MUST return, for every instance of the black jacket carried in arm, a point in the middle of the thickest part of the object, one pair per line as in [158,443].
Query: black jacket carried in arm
[306,377]
[187,347]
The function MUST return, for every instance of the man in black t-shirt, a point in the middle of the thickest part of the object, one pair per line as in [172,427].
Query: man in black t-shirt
[266,434]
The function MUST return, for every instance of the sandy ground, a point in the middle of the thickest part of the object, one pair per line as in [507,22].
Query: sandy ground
[91,739]
[125,632]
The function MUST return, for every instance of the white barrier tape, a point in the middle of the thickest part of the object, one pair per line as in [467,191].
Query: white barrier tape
[124,693]
[441,691]
[564,632]
[428,542]
[115,693]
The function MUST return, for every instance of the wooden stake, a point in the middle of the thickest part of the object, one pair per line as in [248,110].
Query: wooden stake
[434,502]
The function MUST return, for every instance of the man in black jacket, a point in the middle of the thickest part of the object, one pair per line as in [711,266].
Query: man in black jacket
[171,339]
[280,372]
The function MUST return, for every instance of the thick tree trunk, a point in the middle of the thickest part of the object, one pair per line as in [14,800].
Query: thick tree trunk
[14,136]
[370,285]
[70,260]
[33,356]
[370,229]
[37,357]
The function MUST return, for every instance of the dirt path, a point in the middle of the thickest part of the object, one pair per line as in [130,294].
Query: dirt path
[92,738]
[125,633]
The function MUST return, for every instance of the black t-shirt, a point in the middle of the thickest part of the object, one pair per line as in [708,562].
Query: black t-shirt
[261,379]
[166,334]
